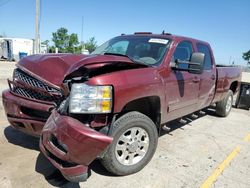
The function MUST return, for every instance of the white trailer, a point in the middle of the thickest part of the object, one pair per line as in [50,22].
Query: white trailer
[13,46]
[3,49]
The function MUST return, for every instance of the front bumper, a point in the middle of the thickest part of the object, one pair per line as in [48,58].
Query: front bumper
[70,145]
[26,115]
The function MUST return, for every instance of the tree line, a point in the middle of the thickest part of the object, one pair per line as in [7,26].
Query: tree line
[246,56]
[69,43]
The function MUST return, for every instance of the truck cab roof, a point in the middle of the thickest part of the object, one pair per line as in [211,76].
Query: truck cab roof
[165,35]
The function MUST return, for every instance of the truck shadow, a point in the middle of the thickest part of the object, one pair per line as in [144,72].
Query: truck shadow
[54,177]
[97,167]
[43,165]
[186,120]
[51,174]
[19,138]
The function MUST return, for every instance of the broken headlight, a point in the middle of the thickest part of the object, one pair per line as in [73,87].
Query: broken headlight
[87,99]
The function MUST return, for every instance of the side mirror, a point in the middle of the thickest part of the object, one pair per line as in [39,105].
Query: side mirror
[196,63]
[194,66]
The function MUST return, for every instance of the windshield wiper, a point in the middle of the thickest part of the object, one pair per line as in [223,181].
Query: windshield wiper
[123,55]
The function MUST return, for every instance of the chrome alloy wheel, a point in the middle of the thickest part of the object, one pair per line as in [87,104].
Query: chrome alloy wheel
[132,146]
[229,103]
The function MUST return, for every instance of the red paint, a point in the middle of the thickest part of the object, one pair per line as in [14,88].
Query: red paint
[78,137]
[12,105]
[43,66]
[84,144]
[69,171]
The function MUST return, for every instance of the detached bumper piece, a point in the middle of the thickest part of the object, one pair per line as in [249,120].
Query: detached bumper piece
[71,146]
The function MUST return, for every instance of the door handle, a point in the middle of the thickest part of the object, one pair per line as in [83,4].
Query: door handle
[213,77]
[196,79]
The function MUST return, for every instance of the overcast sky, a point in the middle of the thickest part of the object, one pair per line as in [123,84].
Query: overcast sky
[224,24]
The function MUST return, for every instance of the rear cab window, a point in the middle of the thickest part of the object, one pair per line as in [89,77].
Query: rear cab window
[203,48]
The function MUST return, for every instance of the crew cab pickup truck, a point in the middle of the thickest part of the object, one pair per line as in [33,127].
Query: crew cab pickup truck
[112,104]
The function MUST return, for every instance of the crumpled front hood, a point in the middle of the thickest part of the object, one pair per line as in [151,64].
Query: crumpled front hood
[55,67]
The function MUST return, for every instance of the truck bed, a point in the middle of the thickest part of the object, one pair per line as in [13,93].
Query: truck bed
[228,77]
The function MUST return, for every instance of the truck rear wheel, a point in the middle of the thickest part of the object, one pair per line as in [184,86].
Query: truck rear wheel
[224,107]
[134,143]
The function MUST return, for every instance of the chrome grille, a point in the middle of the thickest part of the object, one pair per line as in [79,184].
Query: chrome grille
[38,89]
[22,76]
[34,95]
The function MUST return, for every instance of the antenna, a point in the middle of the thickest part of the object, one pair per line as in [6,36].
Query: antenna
[163,33]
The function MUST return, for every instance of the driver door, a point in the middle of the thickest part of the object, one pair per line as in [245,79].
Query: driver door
[182,87]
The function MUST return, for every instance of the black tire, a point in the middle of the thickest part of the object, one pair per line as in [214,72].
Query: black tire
[129,121]
[221,107]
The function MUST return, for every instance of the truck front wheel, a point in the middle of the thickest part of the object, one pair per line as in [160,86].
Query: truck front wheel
[134,143]
[224,107]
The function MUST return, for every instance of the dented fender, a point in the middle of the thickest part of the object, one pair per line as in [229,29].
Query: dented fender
[65,139]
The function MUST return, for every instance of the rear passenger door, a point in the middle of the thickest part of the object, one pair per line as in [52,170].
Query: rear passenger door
[208,77]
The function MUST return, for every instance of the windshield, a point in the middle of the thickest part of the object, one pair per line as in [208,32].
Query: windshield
[142,49]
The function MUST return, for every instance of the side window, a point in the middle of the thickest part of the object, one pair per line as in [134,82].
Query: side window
[119,47]
[202,48]
[183,51]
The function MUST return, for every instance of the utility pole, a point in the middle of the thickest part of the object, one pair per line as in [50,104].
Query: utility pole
[230,60]
[37,36]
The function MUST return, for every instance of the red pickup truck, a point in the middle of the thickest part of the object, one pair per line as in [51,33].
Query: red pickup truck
[113,103]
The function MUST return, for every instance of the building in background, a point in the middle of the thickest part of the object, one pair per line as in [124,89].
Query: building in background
[11,48]
[44,49]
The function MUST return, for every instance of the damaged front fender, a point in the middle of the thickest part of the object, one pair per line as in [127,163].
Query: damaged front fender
[70,145]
